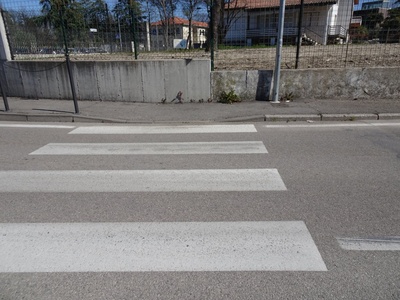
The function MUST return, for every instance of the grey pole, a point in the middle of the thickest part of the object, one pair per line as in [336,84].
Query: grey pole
[5,54]
[3,92]
[299,33]
[277,72]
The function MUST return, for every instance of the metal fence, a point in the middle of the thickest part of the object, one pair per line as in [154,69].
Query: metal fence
[236,34]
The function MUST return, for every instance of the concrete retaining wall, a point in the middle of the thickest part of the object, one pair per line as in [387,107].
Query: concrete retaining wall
[133,81]
[354,83]
[151,81]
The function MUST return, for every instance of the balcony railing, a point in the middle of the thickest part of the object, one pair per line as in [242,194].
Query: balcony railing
[337,30]
[270,32]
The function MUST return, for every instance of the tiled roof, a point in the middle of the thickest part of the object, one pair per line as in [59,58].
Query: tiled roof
[180,21]
[255,4]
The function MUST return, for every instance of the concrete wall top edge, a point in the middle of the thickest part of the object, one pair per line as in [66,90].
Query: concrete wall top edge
[104,61]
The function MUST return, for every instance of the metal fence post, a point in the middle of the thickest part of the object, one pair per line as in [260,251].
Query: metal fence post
[212,34]
[71,79]
[134,31]
[5,100]
[299,33]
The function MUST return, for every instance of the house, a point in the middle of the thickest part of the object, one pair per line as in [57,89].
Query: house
[256,21]
[372,4]
[174,33]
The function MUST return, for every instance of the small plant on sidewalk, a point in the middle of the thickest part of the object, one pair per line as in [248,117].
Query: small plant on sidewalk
[288,97]
[229,97]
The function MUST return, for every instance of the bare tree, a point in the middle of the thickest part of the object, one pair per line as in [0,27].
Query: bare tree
[189,10]
[223,14]
[230,13]
[166,9]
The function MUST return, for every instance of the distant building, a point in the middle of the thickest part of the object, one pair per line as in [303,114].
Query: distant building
[178,34]
[373,4]
[256,21]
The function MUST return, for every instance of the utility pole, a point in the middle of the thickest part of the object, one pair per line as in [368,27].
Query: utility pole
[277,72]
[5,54]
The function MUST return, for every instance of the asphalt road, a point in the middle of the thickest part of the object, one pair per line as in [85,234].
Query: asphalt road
[324,208]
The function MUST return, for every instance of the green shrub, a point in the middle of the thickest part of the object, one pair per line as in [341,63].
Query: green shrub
[229,97]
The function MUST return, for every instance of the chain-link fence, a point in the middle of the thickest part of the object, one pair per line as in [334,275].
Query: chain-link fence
[242,34]
[37,28]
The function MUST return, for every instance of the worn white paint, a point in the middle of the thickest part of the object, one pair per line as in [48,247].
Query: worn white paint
[12,125]
[319,125]
[142,180]
[164,129]
[370,244]
[250,147]
[169,246]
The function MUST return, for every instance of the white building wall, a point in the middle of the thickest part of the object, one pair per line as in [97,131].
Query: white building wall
[237,30]
[345,12]
[316,20]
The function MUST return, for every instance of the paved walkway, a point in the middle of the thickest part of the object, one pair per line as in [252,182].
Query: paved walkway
[251,111]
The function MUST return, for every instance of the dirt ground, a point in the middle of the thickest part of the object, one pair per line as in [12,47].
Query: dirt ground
[319,56]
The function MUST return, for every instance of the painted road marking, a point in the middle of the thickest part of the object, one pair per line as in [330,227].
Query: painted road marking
[164,129]
[169,246]
[142,180]
[250,147]
[317,125]
[371,244]
[35,126]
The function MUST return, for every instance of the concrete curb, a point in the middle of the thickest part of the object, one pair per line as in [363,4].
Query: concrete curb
[27,117]
[260,118]
[388,116]
[288,118]
[348,117]
[56,118]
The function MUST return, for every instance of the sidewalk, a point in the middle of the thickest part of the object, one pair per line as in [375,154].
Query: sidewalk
[250,111]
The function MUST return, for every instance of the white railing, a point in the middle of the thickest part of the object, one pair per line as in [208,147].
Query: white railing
[264,32]
[337,30]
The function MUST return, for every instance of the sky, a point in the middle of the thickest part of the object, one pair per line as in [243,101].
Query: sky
[32,5]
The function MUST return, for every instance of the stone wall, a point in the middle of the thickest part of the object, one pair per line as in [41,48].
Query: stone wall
[352,83]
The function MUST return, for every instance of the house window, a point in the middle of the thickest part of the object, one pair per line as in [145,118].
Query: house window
[290,19]
[311,19]
[259,22]
[271,20]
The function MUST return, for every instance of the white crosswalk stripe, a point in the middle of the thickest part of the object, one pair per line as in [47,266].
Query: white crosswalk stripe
[164,129]
[187,246]
[250,147]
[142,180]
[154,246]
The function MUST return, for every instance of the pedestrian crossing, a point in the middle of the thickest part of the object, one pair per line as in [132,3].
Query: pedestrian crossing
[154,246]
[142,180]
[163,247]
[181,129]
[248,147]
